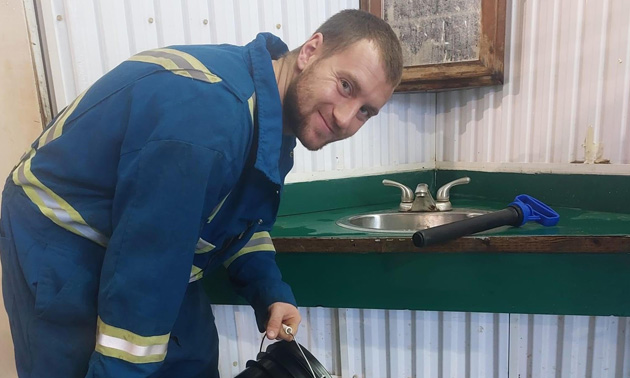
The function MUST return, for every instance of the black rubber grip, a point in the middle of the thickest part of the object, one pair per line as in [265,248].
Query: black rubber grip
[510,216]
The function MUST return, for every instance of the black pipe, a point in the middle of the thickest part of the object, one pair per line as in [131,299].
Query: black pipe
[510,216]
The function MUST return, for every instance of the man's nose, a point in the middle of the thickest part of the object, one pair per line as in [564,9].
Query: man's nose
[345,113]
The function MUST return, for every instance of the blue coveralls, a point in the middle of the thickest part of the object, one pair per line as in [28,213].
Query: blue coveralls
[137,188]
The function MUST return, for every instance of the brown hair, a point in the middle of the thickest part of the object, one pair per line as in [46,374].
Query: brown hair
[350,26]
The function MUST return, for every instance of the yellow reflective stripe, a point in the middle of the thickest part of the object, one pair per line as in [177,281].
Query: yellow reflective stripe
[49,203]
[166,63]
[56,129]
[204,246]
[244,251]
[26,157]
[178,62]
[125,345]
[260,247]
[62,120]
[196,273]
[217,208]
[194,62]
[260,241]
[252,103]
[53,206]
[121,355]
[259,235]
[109,330]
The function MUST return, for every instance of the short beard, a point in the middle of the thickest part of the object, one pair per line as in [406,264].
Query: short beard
[292,118]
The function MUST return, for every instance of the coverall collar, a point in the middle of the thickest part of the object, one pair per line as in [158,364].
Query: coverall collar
[271,142]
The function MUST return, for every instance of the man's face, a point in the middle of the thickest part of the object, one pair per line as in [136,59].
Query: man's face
[334,96]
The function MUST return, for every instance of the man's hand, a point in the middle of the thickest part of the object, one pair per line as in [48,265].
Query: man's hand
[282,313]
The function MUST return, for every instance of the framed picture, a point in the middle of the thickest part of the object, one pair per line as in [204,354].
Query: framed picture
[447,44]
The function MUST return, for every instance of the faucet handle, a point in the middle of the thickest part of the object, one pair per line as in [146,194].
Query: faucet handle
[406,195]
[444,193]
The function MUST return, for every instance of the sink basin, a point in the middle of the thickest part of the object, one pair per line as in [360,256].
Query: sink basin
[405,223]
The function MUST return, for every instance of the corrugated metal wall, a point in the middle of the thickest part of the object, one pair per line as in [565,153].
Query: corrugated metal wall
[362,343]
[548,346]
[85,39]
[380,343]
[567,68]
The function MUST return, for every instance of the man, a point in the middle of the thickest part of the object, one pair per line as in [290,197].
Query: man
[169,166]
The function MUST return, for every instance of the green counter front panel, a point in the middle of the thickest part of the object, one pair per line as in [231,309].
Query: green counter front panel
[567,283]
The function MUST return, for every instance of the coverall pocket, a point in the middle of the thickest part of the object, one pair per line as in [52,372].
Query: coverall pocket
[67,288]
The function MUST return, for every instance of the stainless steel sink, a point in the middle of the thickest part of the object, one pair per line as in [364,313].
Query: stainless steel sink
[404,222]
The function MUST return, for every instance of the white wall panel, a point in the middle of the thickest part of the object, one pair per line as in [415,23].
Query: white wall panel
[85,39]
[569,346]
[567,68]
[367,343]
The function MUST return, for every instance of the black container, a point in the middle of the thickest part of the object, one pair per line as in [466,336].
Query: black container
[284,360]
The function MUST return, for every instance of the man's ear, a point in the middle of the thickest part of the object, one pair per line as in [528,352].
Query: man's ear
[310,50]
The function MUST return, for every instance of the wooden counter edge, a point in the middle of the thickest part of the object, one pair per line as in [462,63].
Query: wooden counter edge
[496,244]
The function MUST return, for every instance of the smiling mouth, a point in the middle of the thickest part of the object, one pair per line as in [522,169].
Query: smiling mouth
[326,123]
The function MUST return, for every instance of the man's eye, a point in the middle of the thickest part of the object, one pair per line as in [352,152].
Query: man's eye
[364,111]
[346,86]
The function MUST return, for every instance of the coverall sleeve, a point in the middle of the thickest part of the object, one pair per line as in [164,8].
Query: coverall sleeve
[256,277]
[159,203]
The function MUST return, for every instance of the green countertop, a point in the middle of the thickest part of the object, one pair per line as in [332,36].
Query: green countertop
[580,266]
[573,222]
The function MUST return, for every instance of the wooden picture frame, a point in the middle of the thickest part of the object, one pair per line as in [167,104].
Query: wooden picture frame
[484,71]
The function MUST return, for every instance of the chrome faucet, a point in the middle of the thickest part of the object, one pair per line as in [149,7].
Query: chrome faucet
[444,193]
[406,197]
[422,200]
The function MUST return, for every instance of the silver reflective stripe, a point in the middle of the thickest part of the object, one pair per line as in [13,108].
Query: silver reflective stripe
[259,242]
[125,345]
[131,348]
[56,209]
[179,62]
[55,131]
[203,246]
[252,105]
[50,134]
[196,273]
[49,203]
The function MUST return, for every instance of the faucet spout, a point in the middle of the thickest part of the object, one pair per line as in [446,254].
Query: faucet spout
[424,200]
